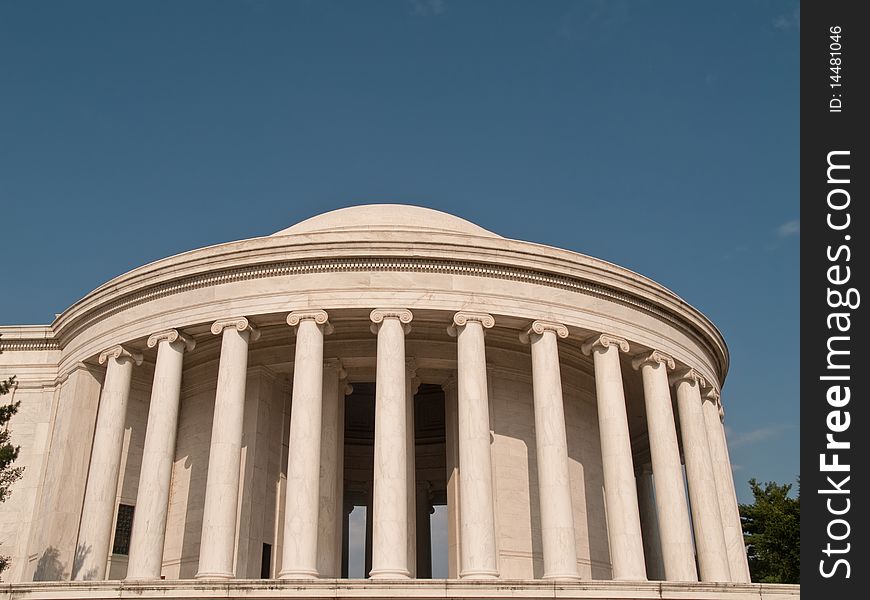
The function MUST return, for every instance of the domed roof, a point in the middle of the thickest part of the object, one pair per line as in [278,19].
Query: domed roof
[387,216]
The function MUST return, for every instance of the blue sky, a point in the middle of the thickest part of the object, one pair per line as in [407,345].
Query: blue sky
[662,136]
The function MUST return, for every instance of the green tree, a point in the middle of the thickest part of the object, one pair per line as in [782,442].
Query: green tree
[771,530]
[8,451]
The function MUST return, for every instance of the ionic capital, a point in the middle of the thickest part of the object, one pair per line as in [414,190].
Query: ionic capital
[118,352]
[603,342]
[172,336]
[461,318]
[539,327]
[711,394]
[348,389]
[411,374]
[402,314]
[654,357]
[334,364]
[239,323]
[690,375]
[320,317]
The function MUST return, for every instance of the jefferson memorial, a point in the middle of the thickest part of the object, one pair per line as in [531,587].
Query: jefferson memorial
[203,425]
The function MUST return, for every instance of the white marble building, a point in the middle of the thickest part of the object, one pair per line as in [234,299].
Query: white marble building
[202,425]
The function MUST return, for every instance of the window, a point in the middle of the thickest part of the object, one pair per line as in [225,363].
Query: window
[123,529]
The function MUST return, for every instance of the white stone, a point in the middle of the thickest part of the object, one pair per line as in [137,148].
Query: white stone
[620,491]
[477,526]
[554,453]
[551,444]
[222,485]
[303,470]
[331,505]
[99,505]
[390,494]
[706,518]
[678,553]
[737,562]
[149,521]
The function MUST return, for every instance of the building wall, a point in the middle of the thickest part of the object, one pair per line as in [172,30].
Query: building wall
[52,554]
[518,515]
[36,373]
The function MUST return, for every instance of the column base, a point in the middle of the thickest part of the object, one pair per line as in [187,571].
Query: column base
[299,574]
[214,575]
[389,574]
[482,574]
[566,577]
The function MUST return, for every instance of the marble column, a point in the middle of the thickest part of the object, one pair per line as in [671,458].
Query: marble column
[345,538]
[225,452]
[95,531]
[706,518]
[554,485]
[620,491]
[675,531]
[477,527]
[299,555]
[451,418]
[423,510]
[331,470]
[412,384]
[732,529]
[649,523]
[367,567]
[152,501]
[390,558]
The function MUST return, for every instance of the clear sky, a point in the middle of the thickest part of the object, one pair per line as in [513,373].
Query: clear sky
[662,136]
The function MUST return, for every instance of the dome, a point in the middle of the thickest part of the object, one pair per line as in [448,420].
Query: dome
[401,217]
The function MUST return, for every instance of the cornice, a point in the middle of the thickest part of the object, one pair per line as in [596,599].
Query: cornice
[260,258]
[28,345]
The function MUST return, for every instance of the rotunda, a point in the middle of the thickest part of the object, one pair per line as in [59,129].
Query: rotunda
[204,425]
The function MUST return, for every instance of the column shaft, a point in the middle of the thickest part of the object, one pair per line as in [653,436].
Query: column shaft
[451,418]
[411,386]
[706,518]
[225,452]
[554,485]
[152,501]
[477,526]
[620,491]
[390,558]
[649,523]
[737,563]
[303,463]
[331,476]
[423,510]
[678,554]
[95,531]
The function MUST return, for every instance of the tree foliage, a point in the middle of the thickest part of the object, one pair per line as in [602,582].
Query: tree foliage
[771,530]
[8,451]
